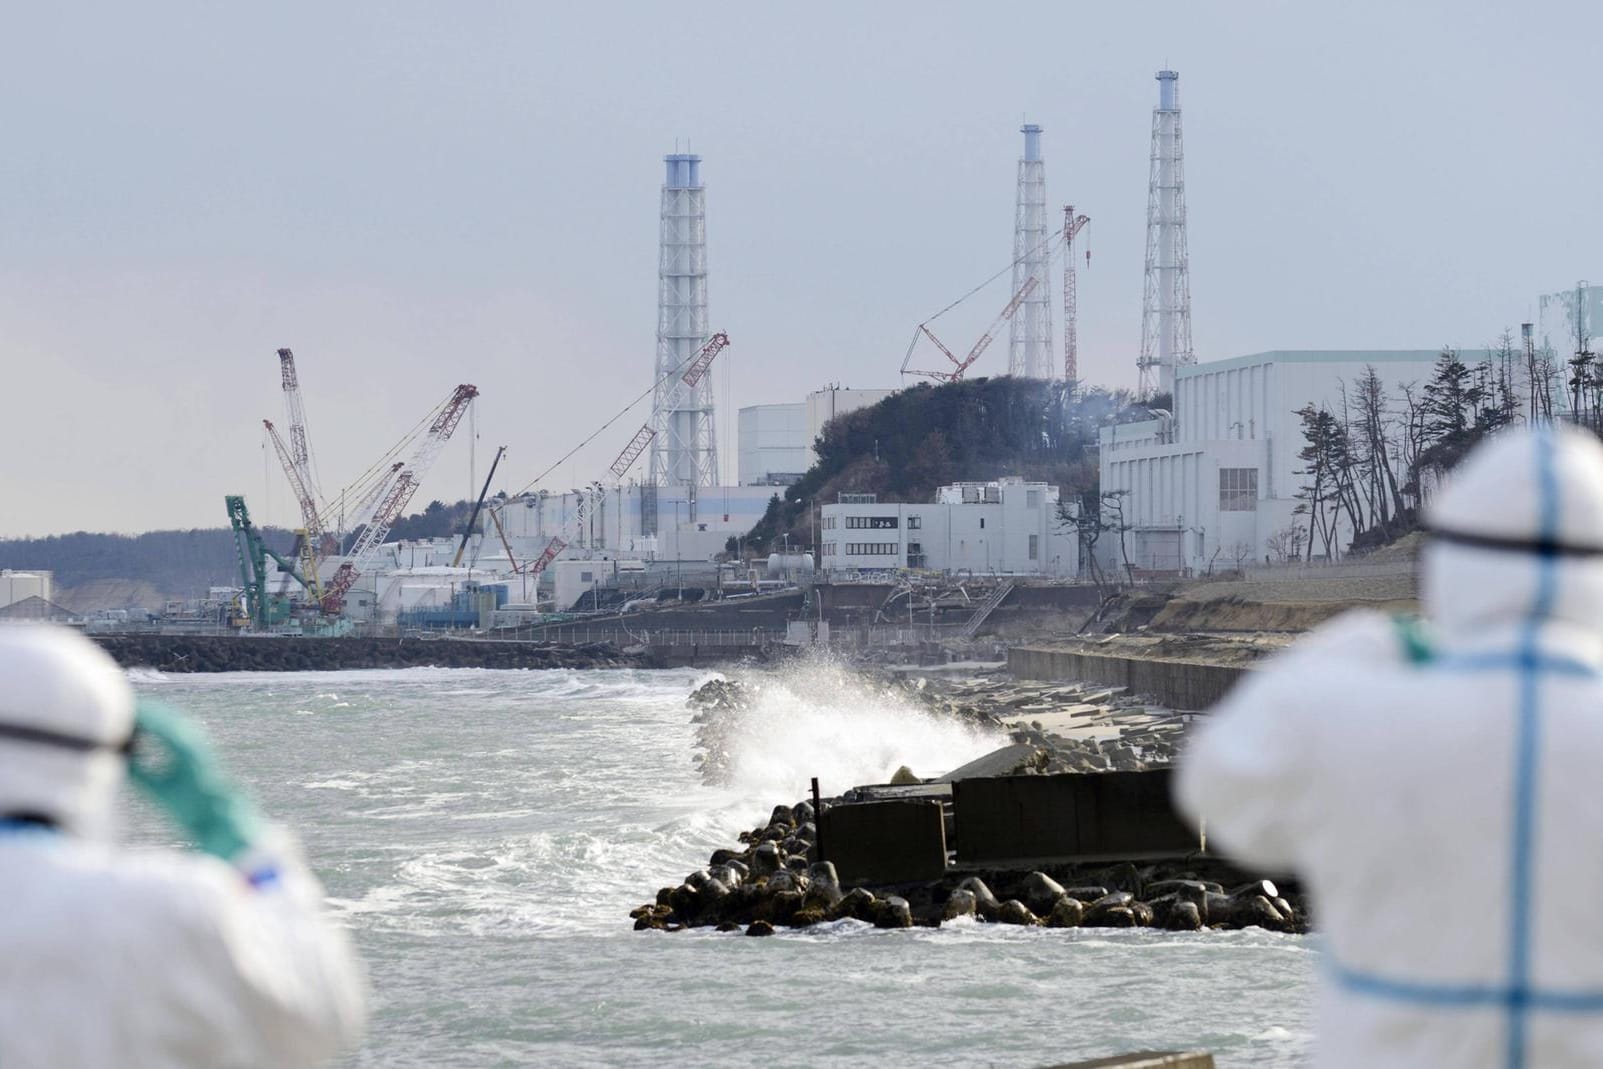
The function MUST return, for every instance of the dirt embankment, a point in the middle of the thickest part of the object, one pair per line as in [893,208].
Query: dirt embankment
[1291,604]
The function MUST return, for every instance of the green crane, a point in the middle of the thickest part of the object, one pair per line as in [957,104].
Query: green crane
[262,609]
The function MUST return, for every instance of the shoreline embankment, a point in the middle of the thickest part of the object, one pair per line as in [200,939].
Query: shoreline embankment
[235,653]
[1189,686]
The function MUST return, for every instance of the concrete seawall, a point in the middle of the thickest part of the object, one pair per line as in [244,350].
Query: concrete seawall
[1185,685]
[229,653]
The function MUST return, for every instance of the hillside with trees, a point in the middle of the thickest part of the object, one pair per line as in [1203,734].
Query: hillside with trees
[916,440]
[116,571]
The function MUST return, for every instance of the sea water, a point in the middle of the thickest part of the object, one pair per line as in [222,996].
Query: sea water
[484,835]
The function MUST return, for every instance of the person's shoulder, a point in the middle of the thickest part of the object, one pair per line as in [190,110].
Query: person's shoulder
[185,888]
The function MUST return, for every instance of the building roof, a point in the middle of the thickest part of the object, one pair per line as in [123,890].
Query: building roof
[1330,356]
[34,607]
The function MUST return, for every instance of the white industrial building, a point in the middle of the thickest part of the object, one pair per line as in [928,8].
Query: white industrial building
[776,441]
[1007,527]
[691,522]
[1207,484]
[18,586]
[1557,331]
[773,444]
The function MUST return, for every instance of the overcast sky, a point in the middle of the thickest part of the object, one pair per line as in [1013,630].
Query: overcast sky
[415,195]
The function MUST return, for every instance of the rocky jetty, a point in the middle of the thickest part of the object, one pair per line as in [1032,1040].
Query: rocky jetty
[775,880]
[231,653]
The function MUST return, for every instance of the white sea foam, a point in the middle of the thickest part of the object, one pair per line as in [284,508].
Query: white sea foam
[818,719]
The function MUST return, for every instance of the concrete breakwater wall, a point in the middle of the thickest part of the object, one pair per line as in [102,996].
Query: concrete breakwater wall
[1184,685]
[231,653]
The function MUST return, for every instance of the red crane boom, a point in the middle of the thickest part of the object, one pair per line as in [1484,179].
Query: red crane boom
[397,496]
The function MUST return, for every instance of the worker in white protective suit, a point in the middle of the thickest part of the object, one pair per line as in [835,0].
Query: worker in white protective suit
[1439,787]
[219,957]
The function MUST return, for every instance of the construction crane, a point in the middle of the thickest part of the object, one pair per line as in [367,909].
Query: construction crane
[473,518]
[397,493]
[300,451]
[313,525]
[1071,307]
[960,366]
[696,369]
[295,412]
[261,611]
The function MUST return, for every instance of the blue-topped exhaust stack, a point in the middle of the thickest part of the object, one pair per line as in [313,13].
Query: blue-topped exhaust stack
[1166,300]
[1030,329]
[685,450]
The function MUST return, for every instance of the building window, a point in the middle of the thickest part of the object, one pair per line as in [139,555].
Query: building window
[872,549]
[1032,499]
[1238,489]
[982,523]
[871,523]
[914,523]
[915,555]
[1035,547]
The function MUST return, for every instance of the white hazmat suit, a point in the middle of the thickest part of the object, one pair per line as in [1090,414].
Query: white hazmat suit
[167,959]
[1443,798]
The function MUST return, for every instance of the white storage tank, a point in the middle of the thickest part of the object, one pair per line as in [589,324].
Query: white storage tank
[18,586]
[789,565]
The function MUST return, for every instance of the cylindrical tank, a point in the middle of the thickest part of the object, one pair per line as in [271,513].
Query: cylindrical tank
[789,564]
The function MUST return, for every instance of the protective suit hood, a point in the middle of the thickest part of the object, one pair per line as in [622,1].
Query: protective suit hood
[1518,542]
[56,684]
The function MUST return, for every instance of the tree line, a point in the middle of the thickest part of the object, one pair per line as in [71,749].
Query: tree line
[1372,457]
[182,563]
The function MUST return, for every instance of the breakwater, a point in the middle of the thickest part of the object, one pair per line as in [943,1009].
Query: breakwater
[774,879]
[1187,685]
[1057,828]
[237,653]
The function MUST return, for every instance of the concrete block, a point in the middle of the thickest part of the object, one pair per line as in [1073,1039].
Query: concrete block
[885,842]
[996,763]
[1070,817]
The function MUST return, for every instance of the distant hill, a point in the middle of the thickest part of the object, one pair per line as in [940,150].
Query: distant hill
[119,571]
[916,440]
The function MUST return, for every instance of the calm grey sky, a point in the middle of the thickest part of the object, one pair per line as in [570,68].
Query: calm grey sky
[413,195]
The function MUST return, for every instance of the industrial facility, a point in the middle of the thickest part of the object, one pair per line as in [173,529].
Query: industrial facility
[1205,485]
[1211,476]
[1007,527]
[776,441]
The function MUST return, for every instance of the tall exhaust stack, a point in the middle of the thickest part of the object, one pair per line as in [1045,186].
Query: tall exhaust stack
[1166,302]
[686,453]
[1029,351]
